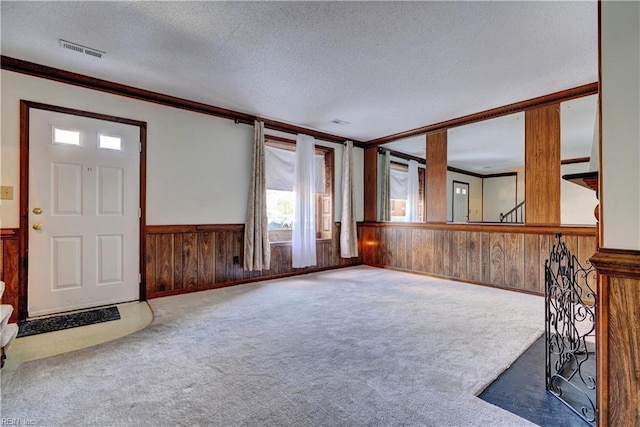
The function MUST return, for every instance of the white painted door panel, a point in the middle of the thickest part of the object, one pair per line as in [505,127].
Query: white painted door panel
[87,253]
[460,202]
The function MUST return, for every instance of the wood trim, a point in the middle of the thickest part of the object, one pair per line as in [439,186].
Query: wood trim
[465,172]
[617,262]
[479,175]
[541,101]
[75,79]
[490,227]
[9,233]
[502,175]
[192,228]
[584,179]
[602,351]
[142,288]
[23,210]
[405,156]
[575,160]
[82,113]
[274,138]
[25,107]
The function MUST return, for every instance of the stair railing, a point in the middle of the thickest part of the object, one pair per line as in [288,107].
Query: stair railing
[515,215]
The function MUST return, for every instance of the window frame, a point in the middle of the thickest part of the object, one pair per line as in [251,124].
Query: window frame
[324,201]
[404,167]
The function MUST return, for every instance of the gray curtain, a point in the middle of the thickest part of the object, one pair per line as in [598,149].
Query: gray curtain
[385,196]
[348,230]
[257,250]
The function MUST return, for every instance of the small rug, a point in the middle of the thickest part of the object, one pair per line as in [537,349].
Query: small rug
[67,321]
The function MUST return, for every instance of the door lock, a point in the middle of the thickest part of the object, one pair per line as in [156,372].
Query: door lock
[37,211]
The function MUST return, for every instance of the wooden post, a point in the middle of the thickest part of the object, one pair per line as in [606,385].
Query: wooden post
[437,177]
[542,165]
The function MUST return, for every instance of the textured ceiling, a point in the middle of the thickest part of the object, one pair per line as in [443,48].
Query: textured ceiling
[383,67]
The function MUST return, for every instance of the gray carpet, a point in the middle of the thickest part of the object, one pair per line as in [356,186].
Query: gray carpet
[350,347]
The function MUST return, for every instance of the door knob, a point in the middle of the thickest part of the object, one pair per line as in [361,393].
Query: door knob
[38,226]
[37,211]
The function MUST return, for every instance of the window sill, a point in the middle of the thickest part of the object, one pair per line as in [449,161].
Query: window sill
[288,242]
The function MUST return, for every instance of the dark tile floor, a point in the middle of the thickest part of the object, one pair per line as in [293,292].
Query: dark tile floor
[521,390]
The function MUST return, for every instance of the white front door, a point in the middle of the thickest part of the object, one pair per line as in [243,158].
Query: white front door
[460,201]
[83,215]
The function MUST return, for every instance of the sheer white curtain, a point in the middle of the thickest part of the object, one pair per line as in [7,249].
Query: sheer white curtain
[413,193]
[303,244]
[348,230]
[257,250]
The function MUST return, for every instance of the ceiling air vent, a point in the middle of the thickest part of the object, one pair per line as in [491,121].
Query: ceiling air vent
[81,49]
[339,122]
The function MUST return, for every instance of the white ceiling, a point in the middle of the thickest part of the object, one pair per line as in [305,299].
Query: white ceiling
[384,67]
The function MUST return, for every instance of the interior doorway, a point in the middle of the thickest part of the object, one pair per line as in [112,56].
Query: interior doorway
[460,201]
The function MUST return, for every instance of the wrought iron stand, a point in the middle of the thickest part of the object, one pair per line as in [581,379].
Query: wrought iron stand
[570,304]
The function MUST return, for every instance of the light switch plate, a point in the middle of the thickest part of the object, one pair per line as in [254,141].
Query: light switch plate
[6,192]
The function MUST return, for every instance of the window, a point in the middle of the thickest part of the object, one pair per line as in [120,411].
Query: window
[399,176]
[66,136]
[107,142]
[280,164]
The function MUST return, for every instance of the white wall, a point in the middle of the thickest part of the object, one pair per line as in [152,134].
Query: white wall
[475,195]
[499,196]
[576,203]
[198,166]
[620,94]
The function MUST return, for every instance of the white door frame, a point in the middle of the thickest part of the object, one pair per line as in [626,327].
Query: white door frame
[25,107]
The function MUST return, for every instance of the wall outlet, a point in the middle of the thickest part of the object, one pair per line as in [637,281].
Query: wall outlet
[236,260]
[6,192]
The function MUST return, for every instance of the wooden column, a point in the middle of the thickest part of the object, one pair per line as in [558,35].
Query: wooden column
[542,165]
[437,177]
[371,184]
[618,337]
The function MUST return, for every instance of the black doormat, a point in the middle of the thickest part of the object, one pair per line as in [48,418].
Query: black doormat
[67,321]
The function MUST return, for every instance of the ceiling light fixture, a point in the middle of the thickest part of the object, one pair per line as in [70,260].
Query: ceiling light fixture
[81,49]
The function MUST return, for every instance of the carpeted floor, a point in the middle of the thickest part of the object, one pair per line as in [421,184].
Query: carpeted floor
[356,346]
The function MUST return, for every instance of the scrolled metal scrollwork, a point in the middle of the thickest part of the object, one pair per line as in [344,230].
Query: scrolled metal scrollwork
[570,303]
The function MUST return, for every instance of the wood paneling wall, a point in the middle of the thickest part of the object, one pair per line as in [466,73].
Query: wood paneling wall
[437,177]
[618,334]
[371,184]
[542,165]
[10,268]
[195,257]
[504,256]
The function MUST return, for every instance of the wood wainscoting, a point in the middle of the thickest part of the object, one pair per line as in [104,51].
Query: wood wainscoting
[618,332]
[504,256]
[186,258]
[10,268]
